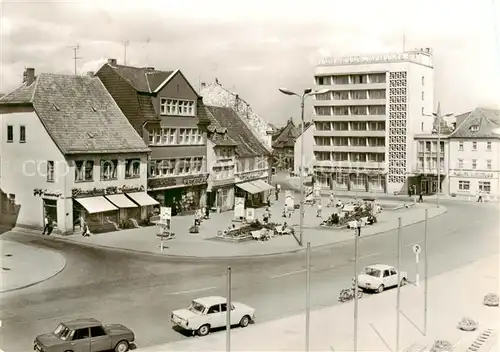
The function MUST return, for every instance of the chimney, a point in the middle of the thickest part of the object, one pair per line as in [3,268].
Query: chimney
[90,73]
[112,62]
[29,76]
[203,84]
[236,101]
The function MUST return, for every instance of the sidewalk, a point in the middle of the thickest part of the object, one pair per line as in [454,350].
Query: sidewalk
[294,182]
[203,245]
[452,296]
[24,266]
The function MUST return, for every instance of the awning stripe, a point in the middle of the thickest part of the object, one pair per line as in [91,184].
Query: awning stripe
[264,186]
[121,201]
[249,187]
[96,204]
[142,198]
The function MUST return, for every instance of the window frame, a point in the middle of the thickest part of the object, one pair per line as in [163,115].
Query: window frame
[50,170]
[463,185]
[10,131]
[108,173]
[22,134]
[130,168]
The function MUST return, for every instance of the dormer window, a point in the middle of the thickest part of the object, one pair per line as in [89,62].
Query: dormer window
[474,128]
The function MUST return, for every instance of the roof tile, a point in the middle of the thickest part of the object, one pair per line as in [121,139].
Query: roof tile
[487,120]
[21,95]
[142,79]
[81,116]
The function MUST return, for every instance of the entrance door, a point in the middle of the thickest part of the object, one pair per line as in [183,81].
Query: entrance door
[50,209]
[424,186]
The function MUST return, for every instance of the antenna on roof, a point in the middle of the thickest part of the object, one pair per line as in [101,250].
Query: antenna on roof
[125,45]
[75,52]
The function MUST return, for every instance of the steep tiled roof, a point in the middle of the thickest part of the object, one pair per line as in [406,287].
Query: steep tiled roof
[142,79]
[215,94]
[248,143]
[21,95]
[286,138]
[487,120]
[82,117]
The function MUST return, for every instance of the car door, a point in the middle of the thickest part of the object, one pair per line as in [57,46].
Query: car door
[81,340]
[394,277]
[99,339]
[386,278]
[235,318]
[215,317]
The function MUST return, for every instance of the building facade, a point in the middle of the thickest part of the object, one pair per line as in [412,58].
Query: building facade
[365,125]
[283,147]
[61,157]
[474,156]
[168,113]
[251,166]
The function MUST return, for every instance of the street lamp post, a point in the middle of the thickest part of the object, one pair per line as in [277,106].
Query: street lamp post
[439,117]
[307,92]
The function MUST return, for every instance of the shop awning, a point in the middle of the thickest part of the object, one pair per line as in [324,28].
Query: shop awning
[121,201]
[264,186]
[96,204]
[249,187]
[142,198]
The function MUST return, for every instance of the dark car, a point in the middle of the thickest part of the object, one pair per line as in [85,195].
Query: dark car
[85,335]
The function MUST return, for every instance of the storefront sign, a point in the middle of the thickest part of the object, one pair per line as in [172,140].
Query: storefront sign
[37,192]
[473,174]
[251,175]
[189,181]
[165,213]
[94,192]
[161,182]
[250,214]
[363,59]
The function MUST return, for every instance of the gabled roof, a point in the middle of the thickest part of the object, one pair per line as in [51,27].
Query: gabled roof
[79,114]
[483,122]
[286,137]
[247,143]
[306,127]
[142,79]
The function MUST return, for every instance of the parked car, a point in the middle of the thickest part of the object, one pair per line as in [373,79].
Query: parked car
[208,313]
[87,335]
[379,277]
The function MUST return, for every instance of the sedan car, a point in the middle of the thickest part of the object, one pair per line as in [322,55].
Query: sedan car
[87,335]
[379,277]
[207,313]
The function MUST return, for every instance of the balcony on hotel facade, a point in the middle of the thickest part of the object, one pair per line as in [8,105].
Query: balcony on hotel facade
[352,81]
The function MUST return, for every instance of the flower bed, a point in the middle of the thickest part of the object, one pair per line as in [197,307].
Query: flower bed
[244,232]
[491,300]
[467,324]
[441,346]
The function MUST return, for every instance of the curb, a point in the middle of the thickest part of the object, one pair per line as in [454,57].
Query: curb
[219,258]
[64,263]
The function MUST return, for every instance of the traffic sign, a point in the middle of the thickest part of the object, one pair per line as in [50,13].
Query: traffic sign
[416,249]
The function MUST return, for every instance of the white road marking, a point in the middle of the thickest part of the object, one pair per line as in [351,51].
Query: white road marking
[197,290]
[287,274]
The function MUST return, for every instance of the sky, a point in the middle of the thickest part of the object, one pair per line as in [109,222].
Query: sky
[255,47]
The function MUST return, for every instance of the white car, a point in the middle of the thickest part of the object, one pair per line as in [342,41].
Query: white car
[208,313]
[379,277]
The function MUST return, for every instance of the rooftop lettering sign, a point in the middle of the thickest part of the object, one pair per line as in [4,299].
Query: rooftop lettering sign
[350,60]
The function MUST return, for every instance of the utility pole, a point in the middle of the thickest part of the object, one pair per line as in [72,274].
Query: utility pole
[426,262]
[398,304]
[357,234]
[228,311]
[308,293]
[75,57]
[125,45]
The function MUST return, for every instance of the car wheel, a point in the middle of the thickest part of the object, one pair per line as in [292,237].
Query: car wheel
[245,321]
[380,289]
[121,346]
[204,330]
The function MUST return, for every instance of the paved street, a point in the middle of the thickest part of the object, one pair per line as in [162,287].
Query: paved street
[140,291]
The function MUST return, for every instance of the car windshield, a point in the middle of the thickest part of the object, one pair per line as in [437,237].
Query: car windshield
[372,272]
[195,307]
[62,332]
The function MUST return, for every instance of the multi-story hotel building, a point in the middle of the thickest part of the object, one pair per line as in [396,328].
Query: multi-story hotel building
[364,126]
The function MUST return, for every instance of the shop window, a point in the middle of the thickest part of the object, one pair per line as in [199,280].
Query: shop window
[132,168]
[464,185]
[109,170]
[84,170]
[485,186]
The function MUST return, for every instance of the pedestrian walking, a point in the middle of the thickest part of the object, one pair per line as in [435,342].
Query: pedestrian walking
[50,226]
[420,197]
[479,196]
[331,203]
[266,216]
[196,218]
[318,211]
[85,231]
[45,225]
[269,200]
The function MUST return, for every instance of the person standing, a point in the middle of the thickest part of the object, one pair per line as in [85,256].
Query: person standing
[45,224]
[50,226]
[479,196]
[421,197]
[318,212]
[266,216]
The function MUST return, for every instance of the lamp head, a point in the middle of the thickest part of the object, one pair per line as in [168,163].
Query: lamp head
[307,90]
[286,91]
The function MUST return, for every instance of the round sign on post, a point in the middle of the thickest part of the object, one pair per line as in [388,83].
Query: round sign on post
[416,249]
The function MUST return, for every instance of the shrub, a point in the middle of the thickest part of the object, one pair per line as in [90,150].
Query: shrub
[467,324]
[453,194]
[441,346]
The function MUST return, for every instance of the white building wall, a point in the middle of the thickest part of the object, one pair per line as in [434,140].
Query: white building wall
[308,150]
[24,168]
[478,175]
